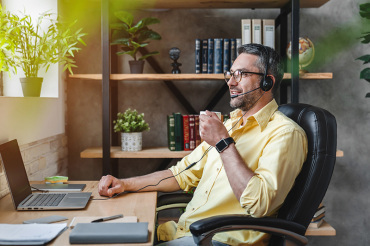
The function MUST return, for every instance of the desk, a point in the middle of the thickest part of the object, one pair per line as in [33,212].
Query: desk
[142,205]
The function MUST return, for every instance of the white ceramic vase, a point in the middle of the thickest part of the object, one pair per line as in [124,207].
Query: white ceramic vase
[131,141]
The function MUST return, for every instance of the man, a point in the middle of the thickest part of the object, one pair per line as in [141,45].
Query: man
[250,173]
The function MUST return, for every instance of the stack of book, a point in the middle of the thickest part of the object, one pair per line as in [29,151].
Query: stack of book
[215,55]
[183,131]
[258,31]
[318,217]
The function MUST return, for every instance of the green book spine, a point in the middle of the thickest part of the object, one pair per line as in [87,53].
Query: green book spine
[179,136]
[171,132]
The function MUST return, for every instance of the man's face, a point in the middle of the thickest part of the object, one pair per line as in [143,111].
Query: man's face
[248,82]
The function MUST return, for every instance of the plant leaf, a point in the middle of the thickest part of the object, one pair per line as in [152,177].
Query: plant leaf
[365,59]
[365,10]
[148,34]
[125,17]
[368,95]
[366,39]
[365,74]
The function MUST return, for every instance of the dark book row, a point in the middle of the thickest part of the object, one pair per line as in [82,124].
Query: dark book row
[215,55]
[183,131]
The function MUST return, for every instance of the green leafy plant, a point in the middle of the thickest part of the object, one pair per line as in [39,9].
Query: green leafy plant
[133,36]
[365,13]
[28,46]
[130,121]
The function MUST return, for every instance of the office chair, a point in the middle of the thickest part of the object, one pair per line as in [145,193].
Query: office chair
[303,199]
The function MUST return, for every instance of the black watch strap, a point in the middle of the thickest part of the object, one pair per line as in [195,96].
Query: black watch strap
[224,143]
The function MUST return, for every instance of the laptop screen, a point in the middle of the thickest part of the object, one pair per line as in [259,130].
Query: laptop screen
[10,157]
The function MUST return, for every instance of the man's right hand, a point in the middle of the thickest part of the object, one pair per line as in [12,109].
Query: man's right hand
[109,185]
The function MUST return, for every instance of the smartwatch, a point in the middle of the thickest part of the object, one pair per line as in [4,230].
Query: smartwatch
[224,143]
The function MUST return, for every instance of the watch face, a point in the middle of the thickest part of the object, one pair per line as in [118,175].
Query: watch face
[220,146]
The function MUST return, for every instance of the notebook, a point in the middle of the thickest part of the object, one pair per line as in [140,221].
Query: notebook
[20,189]
[106,233]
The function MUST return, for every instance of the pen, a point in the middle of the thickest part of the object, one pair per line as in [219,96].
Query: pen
[108,218]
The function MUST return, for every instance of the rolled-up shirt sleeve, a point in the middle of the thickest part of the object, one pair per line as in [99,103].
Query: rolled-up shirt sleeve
[279,164]
[190,178]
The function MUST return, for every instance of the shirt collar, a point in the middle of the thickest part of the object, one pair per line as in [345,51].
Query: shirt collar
[262,117]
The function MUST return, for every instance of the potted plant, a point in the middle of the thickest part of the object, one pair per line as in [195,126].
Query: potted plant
[133,36]
[34,48]
[131,124]
[365,73]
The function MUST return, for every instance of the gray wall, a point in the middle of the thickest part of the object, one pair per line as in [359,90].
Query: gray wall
[332,28]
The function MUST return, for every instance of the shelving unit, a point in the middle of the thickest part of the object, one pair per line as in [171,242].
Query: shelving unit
[287,7]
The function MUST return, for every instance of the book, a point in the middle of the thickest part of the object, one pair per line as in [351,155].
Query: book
[232,50]
[171,132]
[197,134]
[210,55]
[256,31]
[179,144]
[198,54]
[316,224]
[238,44]
[88,219]
[105,233]
[192,131]
[320,211]
[186,131]
[218,49]
[204,55]
[246,31]
[268,32]
[226,56]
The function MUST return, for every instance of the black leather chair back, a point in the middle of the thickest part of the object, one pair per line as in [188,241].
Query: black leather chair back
[312,182]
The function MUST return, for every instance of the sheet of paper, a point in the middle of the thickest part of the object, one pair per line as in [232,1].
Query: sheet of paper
[30,232]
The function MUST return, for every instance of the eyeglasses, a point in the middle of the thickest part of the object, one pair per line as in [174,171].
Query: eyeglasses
[237,75]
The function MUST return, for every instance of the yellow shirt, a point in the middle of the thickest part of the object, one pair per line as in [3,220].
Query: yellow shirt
[273,146]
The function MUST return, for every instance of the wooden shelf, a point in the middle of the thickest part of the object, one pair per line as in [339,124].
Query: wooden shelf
[160,152]
[324,230]
[197,4]
[189,76]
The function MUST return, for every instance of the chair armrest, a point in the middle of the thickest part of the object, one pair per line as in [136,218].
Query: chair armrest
[203,230]
[173,200]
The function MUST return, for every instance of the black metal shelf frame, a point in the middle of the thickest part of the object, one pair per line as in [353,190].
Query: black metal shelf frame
[109,165]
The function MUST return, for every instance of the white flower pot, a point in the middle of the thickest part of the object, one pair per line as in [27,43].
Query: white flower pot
[131,141]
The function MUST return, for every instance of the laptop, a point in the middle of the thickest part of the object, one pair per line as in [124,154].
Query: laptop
[20,189]
[58,187]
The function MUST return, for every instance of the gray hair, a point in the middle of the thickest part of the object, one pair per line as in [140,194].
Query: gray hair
[266,56]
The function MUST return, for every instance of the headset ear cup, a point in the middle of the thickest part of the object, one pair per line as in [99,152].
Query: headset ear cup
[267,84]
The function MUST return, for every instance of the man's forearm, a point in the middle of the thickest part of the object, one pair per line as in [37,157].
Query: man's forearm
[237,172]
[168,183]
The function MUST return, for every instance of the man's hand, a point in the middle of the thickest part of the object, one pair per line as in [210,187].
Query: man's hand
[211,128]
[109,185]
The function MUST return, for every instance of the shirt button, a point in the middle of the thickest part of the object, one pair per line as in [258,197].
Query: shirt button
[206,191]
[193,209]
[181,229]
[218,169]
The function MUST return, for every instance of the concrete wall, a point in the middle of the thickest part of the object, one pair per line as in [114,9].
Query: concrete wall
[347,198]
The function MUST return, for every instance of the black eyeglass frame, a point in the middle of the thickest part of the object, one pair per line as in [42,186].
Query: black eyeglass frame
[241,75]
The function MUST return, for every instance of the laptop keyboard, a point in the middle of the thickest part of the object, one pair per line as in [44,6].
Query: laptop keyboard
[47,200]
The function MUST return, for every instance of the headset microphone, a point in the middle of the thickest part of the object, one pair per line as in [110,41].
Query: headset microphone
[233,96]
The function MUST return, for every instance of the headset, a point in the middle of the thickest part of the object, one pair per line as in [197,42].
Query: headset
[266,83]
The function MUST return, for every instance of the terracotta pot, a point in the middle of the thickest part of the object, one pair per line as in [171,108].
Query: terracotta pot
[31,86]
[136,66]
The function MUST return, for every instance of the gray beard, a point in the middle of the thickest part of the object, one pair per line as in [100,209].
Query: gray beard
[246,102]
